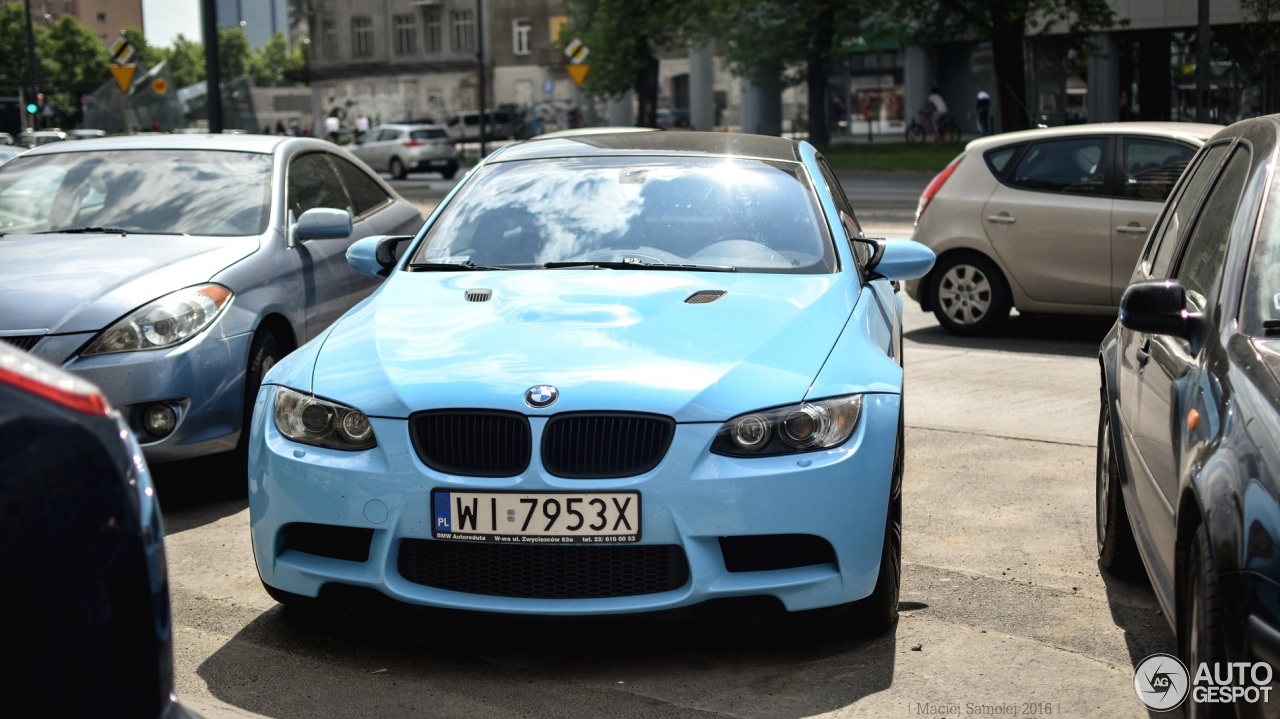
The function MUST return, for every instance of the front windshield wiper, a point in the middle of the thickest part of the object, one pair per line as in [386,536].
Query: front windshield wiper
[86,231]
[636,266]
[450,266]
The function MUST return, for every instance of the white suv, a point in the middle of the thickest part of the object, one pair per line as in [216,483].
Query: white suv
[404,148]
[1048,221]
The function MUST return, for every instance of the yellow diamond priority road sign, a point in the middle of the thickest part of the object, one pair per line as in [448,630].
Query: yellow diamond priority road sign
[121,51]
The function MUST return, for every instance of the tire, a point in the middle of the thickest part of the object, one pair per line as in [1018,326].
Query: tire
[969,295]
[951,131]
[1200,635]
[916,133]
[264,352]
[397,169]
[878,612]
[1117,550]
[448,172]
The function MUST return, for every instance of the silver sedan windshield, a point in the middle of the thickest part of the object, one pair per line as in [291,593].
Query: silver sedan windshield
[748,215]
[176,192]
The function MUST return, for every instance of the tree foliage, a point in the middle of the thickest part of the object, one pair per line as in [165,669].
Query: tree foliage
[186,61]
[79,65]
[1005,23]
[271,64]
[13,61]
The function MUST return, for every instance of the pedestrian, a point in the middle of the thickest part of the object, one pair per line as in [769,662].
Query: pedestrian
[984,112]
[362,125]
[939,109]
[331,127]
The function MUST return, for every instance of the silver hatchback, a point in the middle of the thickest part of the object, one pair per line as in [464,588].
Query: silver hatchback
[1046,221]
[404,148]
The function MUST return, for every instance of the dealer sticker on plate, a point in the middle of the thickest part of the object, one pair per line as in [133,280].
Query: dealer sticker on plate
[536,517]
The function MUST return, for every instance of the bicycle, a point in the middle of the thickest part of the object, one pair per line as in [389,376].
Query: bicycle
[919,131]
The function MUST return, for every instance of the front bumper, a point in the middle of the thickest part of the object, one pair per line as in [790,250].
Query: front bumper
[690,501]
[202,380]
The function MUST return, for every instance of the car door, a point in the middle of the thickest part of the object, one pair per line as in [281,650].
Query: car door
[328,280]
[1049,221]
[1167,373]
[1147,168]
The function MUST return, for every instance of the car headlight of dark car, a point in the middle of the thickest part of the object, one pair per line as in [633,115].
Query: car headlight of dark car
[804,427]
[321,423]
[170,320]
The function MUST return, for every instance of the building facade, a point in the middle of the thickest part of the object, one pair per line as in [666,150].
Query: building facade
[104,18]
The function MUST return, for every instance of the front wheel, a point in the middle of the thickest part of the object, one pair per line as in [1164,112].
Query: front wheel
[916,133]
[970,296]
[1117,550]
[264,352]
[878,612]
[448,172]
[1201,639]
[397,169]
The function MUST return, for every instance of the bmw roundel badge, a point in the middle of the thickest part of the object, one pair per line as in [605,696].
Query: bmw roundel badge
[544,395]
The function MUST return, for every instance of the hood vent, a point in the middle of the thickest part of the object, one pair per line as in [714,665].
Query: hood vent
[703,297]
[479,295]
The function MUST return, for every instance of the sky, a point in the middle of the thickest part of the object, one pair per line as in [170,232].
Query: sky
[163,20]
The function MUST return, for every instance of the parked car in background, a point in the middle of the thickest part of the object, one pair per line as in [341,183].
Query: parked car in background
[617,373]
[499,125]
[82,547]
[6,138]
[174,270]
[1188,479]
[401,149]
[8,152]
[669,119]
[40,137]
[85,134]
[1047,220]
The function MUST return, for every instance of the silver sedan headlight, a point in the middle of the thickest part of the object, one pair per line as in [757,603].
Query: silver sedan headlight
[804,427]
[170,320]
[321,423]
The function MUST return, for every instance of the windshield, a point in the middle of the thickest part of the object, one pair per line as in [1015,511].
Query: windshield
[182,192]
[748,215]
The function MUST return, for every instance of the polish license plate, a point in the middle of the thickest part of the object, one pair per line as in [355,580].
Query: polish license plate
[536,517]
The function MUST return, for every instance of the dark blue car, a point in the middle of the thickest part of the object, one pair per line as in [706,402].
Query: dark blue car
[1189,433]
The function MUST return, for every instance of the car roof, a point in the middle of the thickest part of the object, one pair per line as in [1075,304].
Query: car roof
[1195,132]
[721,144]
[265,144]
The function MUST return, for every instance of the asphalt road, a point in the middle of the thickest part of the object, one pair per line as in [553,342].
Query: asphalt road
[1004,611]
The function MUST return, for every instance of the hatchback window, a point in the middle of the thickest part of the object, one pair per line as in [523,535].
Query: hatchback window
[434,133]
[751,215]
[998,159]
[1151,167]
[1178,217]
[1206,250]
[1075,166]
[163,192]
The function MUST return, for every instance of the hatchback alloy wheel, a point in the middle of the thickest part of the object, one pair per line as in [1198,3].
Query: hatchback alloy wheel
[969,296]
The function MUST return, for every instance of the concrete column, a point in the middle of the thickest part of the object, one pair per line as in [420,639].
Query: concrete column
[702,102]
[1103,102]
[918,76]
[761,110]
[619,111]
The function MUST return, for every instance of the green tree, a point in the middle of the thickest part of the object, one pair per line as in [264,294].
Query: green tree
[233,52]
[1006,24]
[13,62]
[274,63]
[79,63]
[625,37]
[186,61]
[144,54]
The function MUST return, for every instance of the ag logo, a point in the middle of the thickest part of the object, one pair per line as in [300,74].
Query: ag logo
[1161,682]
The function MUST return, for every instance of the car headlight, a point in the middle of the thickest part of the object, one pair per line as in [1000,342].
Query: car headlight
[804,427]
[321,423]
[170,320]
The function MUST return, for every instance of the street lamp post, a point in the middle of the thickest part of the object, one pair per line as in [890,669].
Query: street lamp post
[480,58]
[31,68]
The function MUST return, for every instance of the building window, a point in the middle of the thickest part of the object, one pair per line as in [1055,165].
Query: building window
[463,26]
[431,31]
[102,17]
[520,32]
[362,36]
[406,33]
[329,35]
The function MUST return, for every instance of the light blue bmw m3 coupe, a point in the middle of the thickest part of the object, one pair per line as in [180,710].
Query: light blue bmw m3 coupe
[612,373]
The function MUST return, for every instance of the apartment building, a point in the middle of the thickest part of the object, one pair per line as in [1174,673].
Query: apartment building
[104,18]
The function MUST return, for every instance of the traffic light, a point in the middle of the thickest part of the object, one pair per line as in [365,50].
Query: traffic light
[31,108]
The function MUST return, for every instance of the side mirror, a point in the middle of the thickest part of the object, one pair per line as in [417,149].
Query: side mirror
[898,260]
[322,223]
[1159,307]
[375,256]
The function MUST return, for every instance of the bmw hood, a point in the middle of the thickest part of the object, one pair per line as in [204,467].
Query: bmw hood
[82,283]
[694,346]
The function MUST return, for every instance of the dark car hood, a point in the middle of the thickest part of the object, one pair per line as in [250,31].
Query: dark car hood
[81,283]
